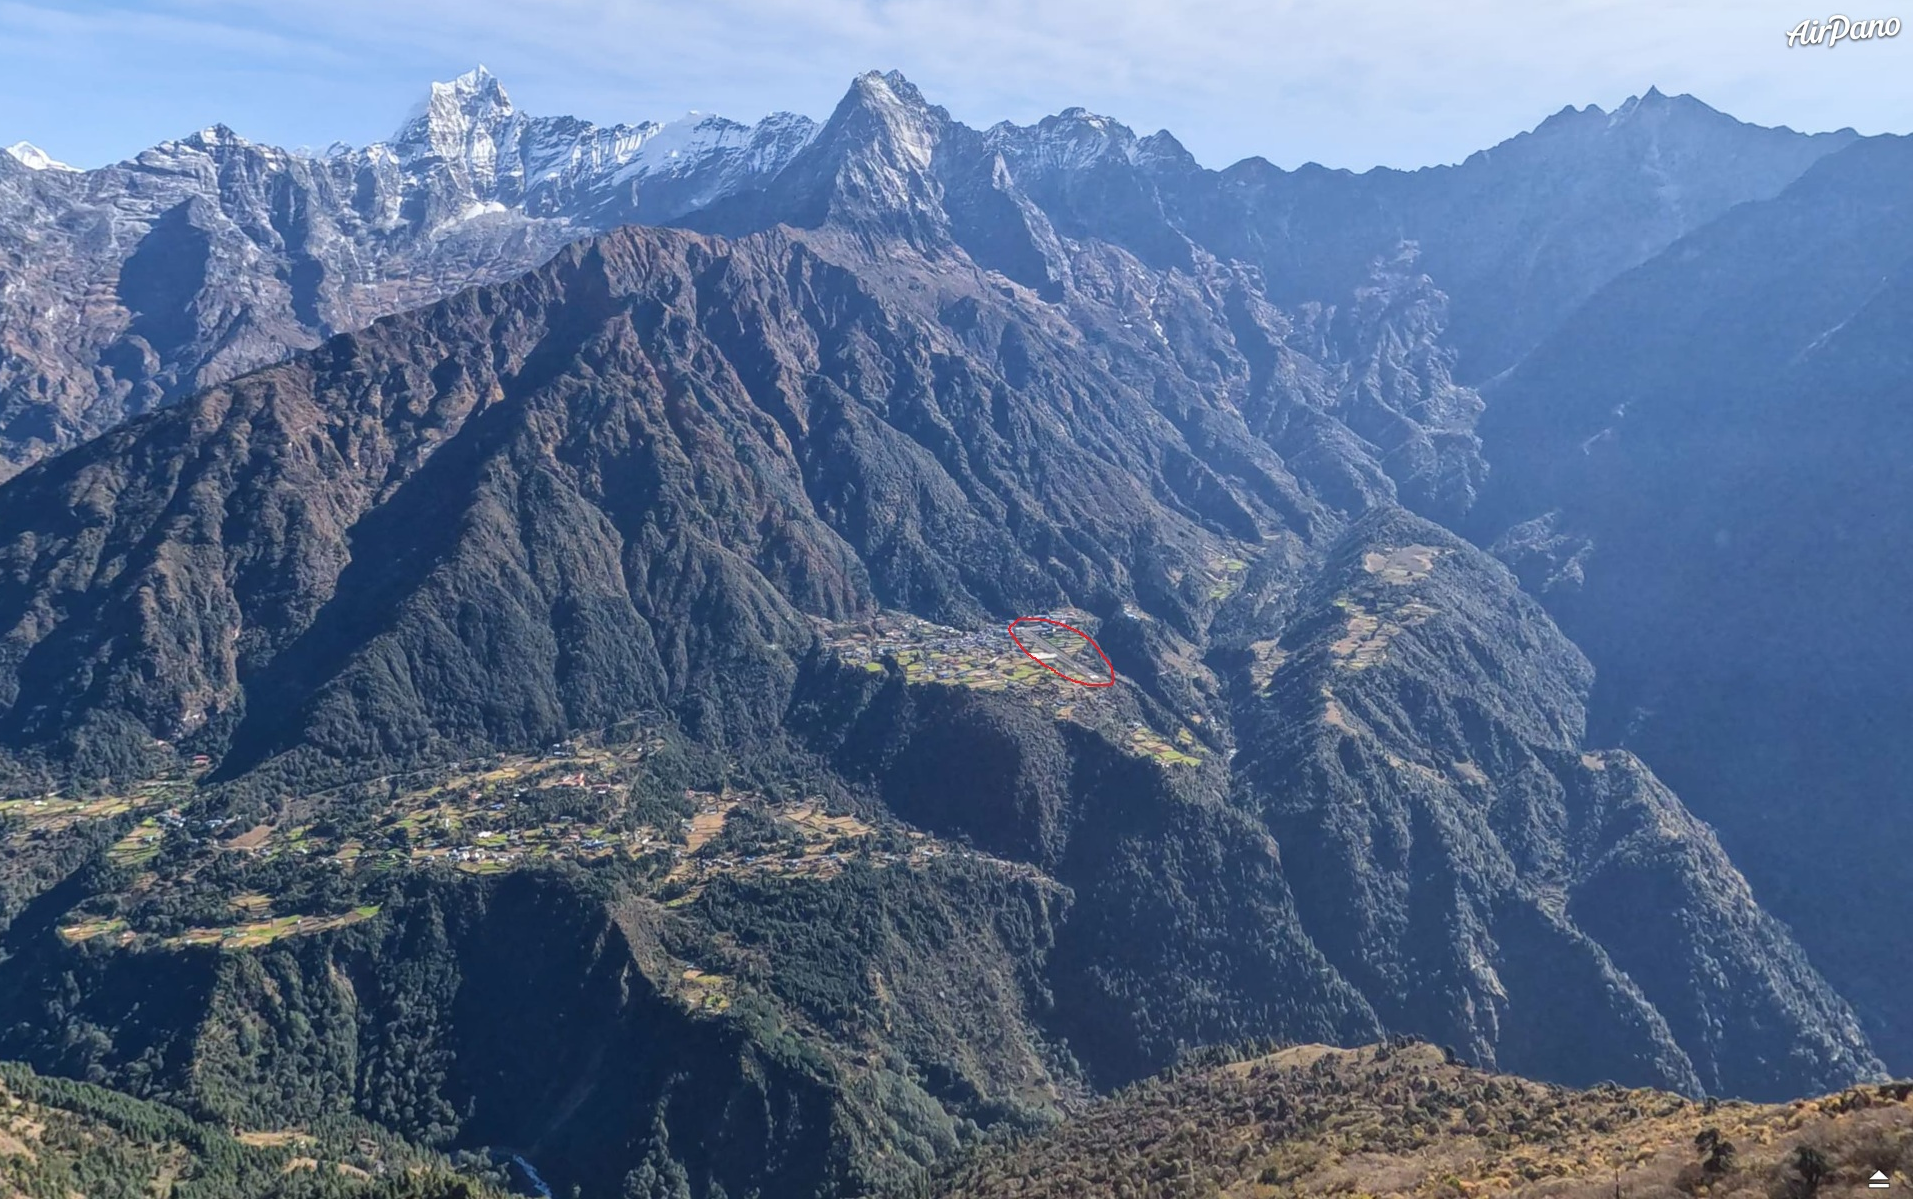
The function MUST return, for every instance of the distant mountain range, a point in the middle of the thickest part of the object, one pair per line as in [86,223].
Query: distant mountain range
[206,257]
[1707,474]
[421,476]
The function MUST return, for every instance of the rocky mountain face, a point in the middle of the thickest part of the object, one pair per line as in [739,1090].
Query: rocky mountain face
[1704,475]
[909,374]
[125,288]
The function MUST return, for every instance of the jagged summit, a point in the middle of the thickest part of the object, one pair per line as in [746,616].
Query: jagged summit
[214,136]
[904,120]
[474,93]
[1652,105]
[469,190]
[886,87]
[1073,138]
[1163,149]
[469,172]
[871,169]
[462,118]
[1658,105]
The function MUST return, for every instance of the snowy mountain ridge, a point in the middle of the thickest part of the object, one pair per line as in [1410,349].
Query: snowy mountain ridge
[210,255]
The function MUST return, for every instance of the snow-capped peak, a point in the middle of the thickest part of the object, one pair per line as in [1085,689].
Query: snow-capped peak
[477,89]
[1073,139]
[456,117]
[33,158]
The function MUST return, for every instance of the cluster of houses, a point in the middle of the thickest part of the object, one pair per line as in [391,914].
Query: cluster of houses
[517,844]
[875,640]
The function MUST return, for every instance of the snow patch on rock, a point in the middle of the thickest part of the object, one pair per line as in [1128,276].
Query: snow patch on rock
[33,158]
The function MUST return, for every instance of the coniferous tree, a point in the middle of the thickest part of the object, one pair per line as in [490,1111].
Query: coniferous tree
[658,1176]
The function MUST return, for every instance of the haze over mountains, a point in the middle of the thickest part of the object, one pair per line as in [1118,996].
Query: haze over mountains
[1705,475]
[1238,421]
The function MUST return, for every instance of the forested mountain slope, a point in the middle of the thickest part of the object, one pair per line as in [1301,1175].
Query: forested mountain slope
[1705,475]
[60,1138]
[577,717]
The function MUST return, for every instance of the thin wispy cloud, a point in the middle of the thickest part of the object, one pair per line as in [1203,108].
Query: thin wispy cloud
[1348,83]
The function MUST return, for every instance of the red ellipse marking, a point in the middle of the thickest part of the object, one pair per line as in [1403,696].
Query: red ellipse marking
[1109,682]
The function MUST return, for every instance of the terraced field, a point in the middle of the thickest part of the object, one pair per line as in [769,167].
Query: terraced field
[55,812]
[1402,565]
[574,802]
[139,846]
[983,659]
[248,935]
[805,842]
[483,818]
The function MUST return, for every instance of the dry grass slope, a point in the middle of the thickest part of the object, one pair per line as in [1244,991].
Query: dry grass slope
[1405,1121]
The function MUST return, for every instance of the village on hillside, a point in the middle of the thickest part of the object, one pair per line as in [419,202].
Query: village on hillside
[571,802]
[990,660]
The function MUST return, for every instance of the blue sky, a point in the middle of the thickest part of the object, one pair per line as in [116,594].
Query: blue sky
[1348,83]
